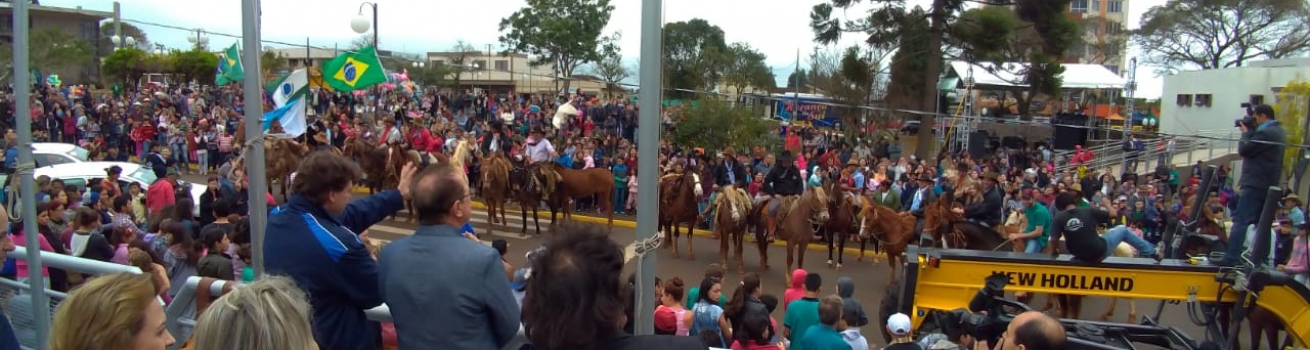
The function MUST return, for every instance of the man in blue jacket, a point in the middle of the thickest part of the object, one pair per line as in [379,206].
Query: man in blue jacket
[312,239]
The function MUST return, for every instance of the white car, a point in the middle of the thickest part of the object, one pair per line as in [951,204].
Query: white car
[55,153]
[80,174]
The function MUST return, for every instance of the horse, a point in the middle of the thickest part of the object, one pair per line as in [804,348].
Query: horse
[731,209]
[797,225]
[495,188]
[678,196]
[282,156]
[891,229]
[584,183]
[530,185]
[837,230]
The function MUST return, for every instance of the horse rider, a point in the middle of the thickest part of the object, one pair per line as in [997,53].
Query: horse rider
[495,141]
[390,133]
[784,184]
[729,175]
[420,140]
[986,212]
[920,199]
[850,181]
[539,149]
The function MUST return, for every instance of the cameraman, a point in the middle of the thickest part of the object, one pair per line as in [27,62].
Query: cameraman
[1261,148]
[1032,330]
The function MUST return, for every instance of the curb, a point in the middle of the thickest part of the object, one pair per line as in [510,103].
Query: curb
[698,232]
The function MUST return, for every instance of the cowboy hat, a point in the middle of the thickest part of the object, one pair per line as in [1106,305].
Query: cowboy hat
[1076,187]
[925,177]
[729,152]
[853,162]
[1293,197]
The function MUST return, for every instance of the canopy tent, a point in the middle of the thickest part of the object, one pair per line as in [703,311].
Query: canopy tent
[1009,75]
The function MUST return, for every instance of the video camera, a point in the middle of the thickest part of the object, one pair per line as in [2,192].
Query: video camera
[985,319]
[1249,119]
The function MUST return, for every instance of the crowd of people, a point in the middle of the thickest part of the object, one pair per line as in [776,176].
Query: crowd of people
[571,294]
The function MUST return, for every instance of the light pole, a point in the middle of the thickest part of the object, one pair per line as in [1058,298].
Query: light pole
[199,39]
[418,65]
[361,24]
[121,41]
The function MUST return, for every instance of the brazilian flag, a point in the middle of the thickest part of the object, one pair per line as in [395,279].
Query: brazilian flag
[230,69]
[354,70]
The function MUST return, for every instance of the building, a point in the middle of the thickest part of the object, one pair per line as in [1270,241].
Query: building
[1208,101]
[80,23]
[299,57]
[1104,25]
[511,73]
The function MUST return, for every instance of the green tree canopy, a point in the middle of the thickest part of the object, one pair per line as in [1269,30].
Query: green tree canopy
[1209,34]
[129,30]
[125,65]
[713,124]
[695,57]
[195,64]
[1291,109]
[50,49]
[747,68]
[565,33]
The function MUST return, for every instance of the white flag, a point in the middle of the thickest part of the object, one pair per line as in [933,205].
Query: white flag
[289,87]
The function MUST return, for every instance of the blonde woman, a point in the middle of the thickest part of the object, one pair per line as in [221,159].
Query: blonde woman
[268,314]
[81,322]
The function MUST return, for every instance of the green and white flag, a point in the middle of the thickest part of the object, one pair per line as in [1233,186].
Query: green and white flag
[230,68]
[288,87]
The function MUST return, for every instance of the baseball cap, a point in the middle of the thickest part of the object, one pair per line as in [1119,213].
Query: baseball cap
[520,279]
[898,324]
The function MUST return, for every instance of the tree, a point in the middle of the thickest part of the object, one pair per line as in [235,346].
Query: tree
[713,124]
[695,56]
[1210,34]
[747,68]
[1036,32]
[1106,42]
[125,65]
[129,30]
[1291,110]
[907,83]
[459,64]
[884,27]
[196,64]
[610,67]
[361,42]
[802,75]
[272,62]
[565,33]
[50,49]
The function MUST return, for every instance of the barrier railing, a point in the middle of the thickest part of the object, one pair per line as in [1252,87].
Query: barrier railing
[17,299]
[182,313]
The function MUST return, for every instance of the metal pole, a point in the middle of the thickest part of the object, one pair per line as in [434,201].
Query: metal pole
[27,188]
[254,132]
[648,128]
[796,99]
[118,26]
[375,26]
[1128,120]
[307,54]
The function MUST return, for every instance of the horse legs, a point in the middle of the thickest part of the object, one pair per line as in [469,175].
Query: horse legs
[738,236]
[691,254]
[672,231]
[891,267]
[1109,312]
[841,247]
[523,216]
[827,236]
[763,244]
[536,219]
[724,247]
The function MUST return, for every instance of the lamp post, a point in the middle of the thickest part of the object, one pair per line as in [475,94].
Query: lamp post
[121,41]
[199,39]
[418,65]
[361,24]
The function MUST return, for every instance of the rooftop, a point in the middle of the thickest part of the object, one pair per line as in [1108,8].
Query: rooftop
[7,6]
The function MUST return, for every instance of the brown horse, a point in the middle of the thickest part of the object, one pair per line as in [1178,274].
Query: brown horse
[495,189]
[281,157]
[891,229]
[797,225]
[373,160]
[730,224]
[575,184]
[530,185]
[838,229]
[678,196]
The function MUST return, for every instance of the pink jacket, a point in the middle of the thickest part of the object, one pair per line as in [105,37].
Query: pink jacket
[20,264]
[1299,263]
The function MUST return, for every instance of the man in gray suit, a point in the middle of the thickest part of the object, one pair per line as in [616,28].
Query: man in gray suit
[919,200]
[1261,147]
[445,288]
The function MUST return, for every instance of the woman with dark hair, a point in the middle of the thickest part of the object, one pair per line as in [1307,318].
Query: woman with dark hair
[181,254]
[707,316]
[745,300]
[86,240]
[182,212]
[756,334]
[575,300]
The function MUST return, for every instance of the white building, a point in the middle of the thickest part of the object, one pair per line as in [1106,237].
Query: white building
[1201,102]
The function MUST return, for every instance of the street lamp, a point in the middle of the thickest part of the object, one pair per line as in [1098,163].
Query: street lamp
[119,42]
[419,64]
[361,24]
[199,38]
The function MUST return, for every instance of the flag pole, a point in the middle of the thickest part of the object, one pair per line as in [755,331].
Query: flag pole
[254,113]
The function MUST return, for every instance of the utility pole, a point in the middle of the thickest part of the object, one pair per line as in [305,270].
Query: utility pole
[26,164]
[1128,119]
[118,26]
[648,129]
[253,94]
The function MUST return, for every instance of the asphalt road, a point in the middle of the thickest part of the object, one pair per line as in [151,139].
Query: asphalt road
[870,277]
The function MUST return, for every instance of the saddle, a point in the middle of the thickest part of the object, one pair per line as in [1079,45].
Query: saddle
[785,206]
[736,197]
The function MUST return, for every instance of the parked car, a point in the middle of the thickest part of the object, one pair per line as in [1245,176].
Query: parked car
[55,153]
[79,174]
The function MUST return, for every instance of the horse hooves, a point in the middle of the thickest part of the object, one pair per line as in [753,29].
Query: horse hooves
[838,267]
[675,254]
[1132,318]
[691,256]
[829,263]
[1106,316]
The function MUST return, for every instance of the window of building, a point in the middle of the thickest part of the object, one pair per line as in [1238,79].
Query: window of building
[1257,100]
[1203,100]
[1078,6]
[90,30]
[1184,100]
[1114,6]
[481,64]
[438,63]
[502,65]
[1096,6]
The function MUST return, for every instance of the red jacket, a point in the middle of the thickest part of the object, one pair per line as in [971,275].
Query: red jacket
[160,195]
[143,132]
[420,140]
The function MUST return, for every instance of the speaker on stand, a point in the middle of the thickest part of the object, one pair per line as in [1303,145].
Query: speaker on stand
[1070,131]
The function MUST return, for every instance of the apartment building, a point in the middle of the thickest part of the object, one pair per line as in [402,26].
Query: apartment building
[81,23]
[1104,25]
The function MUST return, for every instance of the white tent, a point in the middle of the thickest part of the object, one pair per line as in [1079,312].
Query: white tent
[1075,76]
